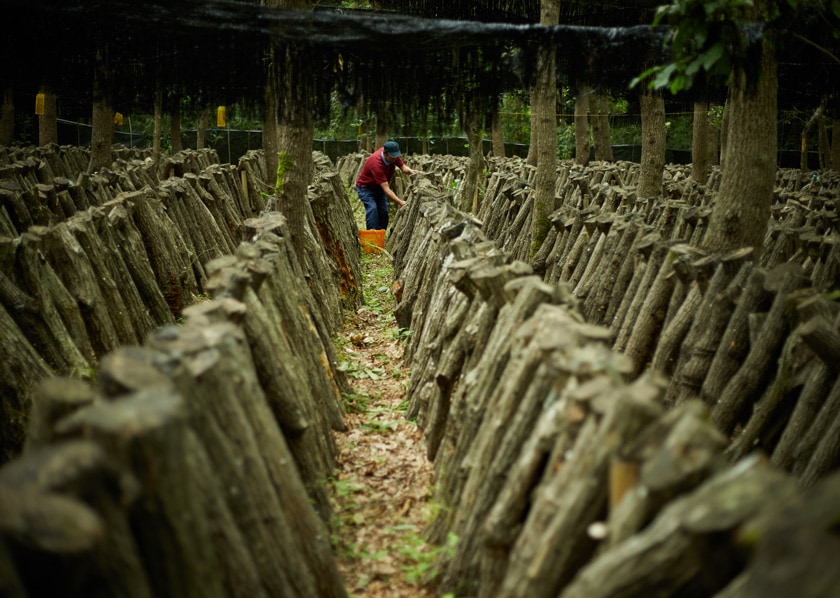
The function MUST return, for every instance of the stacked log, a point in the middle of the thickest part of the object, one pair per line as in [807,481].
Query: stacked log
[560,465]
[102,277]
[715,324]
[171,477]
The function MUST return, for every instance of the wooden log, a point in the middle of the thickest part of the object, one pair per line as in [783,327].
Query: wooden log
[793,547]
[653,254]
[826,450]
[148,433]
[666,352]
[71,348]
[811,399]
[733,348]
[649,321]
[672,554]
[740,391]
[131,317]
[80,470]
[666,468]
[263,489]
[52,400]
[125,238]
[469,405]
[704,337]
[772,411]
[170,258]
[609,283]
[554,541]
[79,275]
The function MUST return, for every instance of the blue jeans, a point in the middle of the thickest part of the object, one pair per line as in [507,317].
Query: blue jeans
[376,207]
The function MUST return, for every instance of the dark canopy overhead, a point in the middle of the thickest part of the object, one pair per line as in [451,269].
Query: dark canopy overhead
[216,50]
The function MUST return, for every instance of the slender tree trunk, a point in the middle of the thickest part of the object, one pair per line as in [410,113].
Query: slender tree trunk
[158,126]
[270,133]
[7,118]
[102,130]
[381,123]
[835,144]
[531,158]
[599,108]
[713,145]
[724,133]
[297,129]
[653,144]
[545,108]
[473,129]
[581,126]
[203,125]
[825,150]
[699,143]
[48,121]
[175,126]
[739,217]
[364,126]
[496,134]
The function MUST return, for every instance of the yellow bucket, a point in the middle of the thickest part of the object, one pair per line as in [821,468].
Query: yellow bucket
[372,240]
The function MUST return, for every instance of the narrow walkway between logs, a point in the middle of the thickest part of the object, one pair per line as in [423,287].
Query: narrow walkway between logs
[383,485]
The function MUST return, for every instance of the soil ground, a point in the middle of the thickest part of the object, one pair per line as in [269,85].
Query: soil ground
[382,490]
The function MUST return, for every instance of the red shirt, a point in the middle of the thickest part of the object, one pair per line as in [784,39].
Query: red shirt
[375,171]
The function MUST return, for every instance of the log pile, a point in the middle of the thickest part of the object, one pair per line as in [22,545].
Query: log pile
[565,466]
[170,477]
[90,280]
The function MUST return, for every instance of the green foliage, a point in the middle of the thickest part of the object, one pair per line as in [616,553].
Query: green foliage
[566,142]
[705,40]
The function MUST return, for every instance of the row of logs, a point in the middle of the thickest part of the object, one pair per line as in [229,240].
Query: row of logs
[197,463]
[105,276]
[560,469]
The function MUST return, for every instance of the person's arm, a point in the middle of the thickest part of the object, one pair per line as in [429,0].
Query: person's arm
[390,193]
[406,170]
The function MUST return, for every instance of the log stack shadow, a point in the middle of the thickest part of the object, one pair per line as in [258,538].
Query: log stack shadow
[582,408]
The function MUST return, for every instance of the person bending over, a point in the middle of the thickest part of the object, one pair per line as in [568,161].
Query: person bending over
[374,188]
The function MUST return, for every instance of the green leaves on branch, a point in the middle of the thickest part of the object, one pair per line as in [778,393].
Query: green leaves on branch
[705,38]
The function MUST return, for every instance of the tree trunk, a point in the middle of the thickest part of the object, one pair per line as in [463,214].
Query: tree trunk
[835,143]
[201,131]
[699,143]
[531,158]
[469,193]
[7,118]
[653,144]
[158,126]
[544,109]
[496,134]
[47,123]
[739,217]
[364,126]
[102,131]
[724,132]
[175,127]
[297,129]
[581,126]
[825,150]
[270,134]
[381,123]
[599,108]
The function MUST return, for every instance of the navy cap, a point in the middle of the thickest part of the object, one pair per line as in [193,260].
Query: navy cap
[392,148]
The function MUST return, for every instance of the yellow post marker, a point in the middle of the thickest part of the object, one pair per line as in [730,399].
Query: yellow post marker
[221,116]
[118,119]
[39,103]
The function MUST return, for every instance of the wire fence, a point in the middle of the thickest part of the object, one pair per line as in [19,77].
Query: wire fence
[231,144]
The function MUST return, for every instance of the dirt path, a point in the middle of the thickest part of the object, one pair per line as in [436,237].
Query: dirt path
[383,486]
